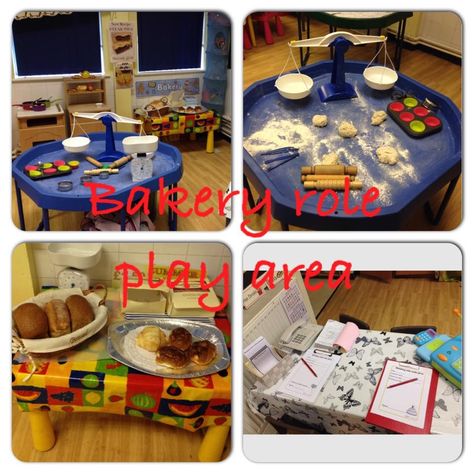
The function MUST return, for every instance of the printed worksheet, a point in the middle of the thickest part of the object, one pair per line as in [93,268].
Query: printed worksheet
[403,392]
[309,375]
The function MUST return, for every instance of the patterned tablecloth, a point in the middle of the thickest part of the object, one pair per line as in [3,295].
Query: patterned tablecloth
[87,380]
[344,401]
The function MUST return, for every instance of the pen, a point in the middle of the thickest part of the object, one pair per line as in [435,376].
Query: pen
[402,383]
[309,367]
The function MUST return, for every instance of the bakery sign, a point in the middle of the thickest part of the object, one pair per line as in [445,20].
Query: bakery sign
[122,41]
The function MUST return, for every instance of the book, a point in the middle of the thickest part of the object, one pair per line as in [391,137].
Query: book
[404,398]
[337,336]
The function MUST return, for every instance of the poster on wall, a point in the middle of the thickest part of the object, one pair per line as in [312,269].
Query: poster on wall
[123,75]
[121,41]
[175,92]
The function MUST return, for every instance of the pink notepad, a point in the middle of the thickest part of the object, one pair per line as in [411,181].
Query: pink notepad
[347,337]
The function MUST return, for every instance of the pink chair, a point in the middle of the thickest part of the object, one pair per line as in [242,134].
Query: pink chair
[265,18]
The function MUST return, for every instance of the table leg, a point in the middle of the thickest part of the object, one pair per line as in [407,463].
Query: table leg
[284,226]
[45,219]
[402,39]
[19,204]
[123,219]
[213,444]
[210,141]
[435,219]
[41,430]
[251,201]
[251,31]
[172,216]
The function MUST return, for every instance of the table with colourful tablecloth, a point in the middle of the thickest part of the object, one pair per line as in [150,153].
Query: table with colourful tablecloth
[86,379]
[343,403]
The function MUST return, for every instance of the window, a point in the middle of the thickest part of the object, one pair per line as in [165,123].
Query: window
[57,45]
[170,41]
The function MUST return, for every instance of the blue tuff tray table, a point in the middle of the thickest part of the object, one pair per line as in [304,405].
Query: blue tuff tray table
[167,164]
[425,166]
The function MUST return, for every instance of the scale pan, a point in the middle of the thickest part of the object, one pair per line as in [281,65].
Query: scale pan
[76,144]
[294,86]
[380,78]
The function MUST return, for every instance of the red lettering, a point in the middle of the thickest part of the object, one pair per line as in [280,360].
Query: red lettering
[344,277]
[126,284]
[288,274]
[335,201]
[151,264]
[370,196]
[268,275]
[100,198]
[265,203]
[182,275]
[300,200]
[223,199]
[165,199]
[313,271]
[142,202]
[203,196]
[347,208]
[224,276]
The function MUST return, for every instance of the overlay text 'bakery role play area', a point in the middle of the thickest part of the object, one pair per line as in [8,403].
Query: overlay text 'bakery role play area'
[342,106]
[381,357]
[99,108]
[114,364]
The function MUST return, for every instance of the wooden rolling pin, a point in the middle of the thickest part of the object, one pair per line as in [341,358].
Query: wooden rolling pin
[94,162]
[322,177]
[335,185]
[121,161]
[329,169]
[103,170]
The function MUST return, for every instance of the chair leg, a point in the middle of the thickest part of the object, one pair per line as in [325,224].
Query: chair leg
[267,31]
[279,26]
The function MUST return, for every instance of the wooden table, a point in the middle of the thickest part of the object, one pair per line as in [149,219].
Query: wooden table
[86,379]
[40,127]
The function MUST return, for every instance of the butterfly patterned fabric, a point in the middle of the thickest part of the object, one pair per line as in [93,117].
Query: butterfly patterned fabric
[348,392]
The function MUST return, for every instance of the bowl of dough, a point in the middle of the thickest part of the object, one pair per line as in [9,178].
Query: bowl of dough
[294,86]
[380,78]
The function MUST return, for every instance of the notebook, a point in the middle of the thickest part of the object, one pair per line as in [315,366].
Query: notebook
[337,336]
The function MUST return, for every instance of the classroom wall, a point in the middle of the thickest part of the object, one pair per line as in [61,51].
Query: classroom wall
[213,254]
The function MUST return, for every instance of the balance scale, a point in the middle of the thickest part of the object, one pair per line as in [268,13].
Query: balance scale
[297,86]
[132,144]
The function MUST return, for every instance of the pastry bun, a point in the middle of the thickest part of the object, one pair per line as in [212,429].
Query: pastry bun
[181,339]
[151,338]
[59,320]
[80,311]
[30,321]
[202,352]
[172,357]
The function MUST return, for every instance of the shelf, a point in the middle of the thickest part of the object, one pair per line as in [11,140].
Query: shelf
[95,91]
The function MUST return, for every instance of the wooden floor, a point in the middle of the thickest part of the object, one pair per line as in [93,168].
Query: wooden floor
[92,437]
[200,169]
[439,74]
[403,302]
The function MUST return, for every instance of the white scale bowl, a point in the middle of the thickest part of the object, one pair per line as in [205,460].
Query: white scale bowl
[294,86]
[76,144]
[380,78]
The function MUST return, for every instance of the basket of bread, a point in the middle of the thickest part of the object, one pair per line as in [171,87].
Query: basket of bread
[56,320]
[169,347]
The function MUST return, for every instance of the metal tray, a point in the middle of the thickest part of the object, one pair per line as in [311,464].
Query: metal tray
[117,344]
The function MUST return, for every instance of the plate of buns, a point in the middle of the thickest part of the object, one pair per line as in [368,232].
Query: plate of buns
[55,320]
[169,347]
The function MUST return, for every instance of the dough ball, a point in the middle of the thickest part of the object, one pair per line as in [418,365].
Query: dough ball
[378,117]
[387,155]
[347,130]
[320,120]
[330,159]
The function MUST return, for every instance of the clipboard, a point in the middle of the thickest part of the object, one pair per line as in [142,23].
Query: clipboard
[397,425]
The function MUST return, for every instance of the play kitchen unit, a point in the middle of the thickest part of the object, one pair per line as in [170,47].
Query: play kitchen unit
[55,174]
[80,350]
[338,122]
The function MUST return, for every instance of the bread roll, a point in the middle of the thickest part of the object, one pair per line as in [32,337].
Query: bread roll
[30,321]
[202,352]
[151,338]
[172,357]
[80,311]
[181,339]
[58,318]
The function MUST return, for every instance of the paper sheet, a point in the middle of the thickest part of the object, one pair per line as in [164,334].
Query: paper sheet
[302,382]
[347,337]
[403,392]
[293,303]
[260,354]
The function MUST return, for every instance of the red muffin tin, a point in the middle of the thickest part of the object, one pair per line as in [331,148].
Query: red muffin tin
[415,119]
[48,170]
